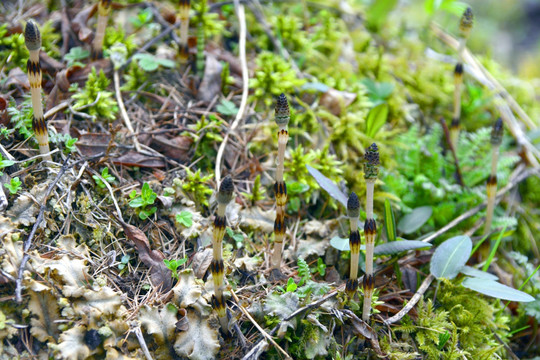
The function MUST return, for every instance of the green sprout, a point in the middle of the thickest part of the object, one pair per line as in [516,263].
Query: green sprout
[106,176]
[142,201]
[185,218]
[14,185]
[173,265]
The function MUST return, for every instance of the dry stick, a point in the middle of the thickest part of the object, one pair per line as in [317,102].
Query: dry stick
[224,196]
[421,290]
[280,188]
[353,211]
[123,111]
[465,25]
[245,87]
[32,38]
[521,175]
[39,219]
[491,187]
[371,171]
[104,7]
[261,330]
[136,329]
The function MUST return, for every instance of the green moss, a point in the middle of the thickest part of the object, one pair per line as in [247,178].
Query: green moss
[105,107]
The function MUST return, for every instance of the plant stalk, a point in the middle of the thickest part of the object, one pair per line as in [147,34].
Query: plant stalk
[353,210]
[184,27]
[371,172]
[217,267]
[32,37]
[465,26]
[104,8]
[491,188]
[282,118]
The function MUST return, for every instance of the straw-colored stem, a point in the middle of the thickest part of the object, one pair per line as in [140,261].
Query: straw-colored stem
[370,231]
[104,8]
[491,189]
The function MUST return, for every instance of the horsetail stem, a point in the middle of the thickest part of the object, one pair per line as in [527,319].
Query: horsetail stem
[225,195]
[465,26]
[491,188]
[32,38]
[104,8]
[282,118]
[371,171]
[184,27]
[353,210]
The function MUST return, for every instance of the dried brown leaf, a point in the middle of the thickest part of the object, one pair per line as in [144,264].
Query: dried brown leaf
[201,262]
[211,84]
[160,275]
[133,158]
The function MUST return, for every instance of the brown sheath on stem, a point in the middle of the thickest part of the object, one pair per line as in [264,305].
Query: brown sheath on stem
[32,38]
[104,7]
[491,188]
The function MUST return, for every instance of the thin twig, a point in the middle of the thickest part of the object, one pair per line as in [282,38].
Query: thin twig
[261,330]
[123,111]
[421,290]
[245,86]
[106,183]
[39,219]
[138,333]
[57,108]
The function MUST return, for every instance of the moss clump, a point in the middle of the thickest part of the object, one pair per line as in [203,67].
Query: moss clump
[105,107]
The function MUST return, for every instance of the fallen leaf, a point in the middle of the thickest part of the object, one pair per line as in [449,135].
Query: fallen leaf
[17,77]
[79,23]
[176,148]
[133,158]
[201,262]
[336,101]
[91,144]
[160,275]
[72,346]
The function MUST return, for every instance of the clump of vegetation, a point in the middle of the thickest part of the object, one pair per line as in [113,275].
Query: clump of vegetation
[94,98]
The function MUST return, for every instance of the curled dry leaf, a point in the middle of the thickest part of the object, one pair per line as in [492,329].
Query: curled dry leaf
[201,262]
[72,345]
[183,323]
[79,23]
[211,84]
[160,275]
[133,158]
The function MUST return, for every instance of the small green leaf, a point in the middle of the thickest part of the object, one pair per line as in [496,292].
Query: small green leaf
[414,220]
[185,218]
[396,247]
[496,290]
[13,186]
[227,107]
[443,339]
[137,202]
[450,257]
[291,285]
[376,119]
[389,221]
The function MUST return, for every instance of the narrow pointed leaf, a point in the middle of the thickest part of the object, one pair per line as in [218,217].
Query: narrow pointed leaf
[389,221]
[328,185]
[376,119]
[475,273]
[396,247]
[450,257]
[414,221]
[496,290]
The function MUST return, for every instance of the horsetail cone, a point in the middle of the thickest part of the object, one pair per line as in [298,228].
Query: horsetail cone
[353,206]
[371,164]
[32,39]
[283,114]
[497,133]
[217,267]
[466,22]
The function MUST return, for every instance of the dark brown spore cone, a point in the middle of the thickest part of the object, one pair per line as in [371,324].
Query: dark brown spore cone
[282,110]
[459,69]
[497,132]
[467,20]
[185,2]
[371,165]
[32,36]
[353,206]
[226,190]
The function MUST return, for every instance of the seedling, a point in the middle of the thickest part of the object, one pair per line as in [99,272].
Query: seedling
[14,185]
[106,176]
[280,188]
[104,8]
[321,267]
[465,26]
[173,265]
[32,38]
[143,201]
[371,171]
[225,195]
[496,140]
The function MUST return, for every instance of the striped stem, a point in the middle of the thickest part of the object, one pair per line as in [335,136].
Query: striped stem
[104,8]
[371,171]
[200,50]
[280,188]
[353,210]
[491,188]
[32,38]
[217,267]
[184,27]
[465,26]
